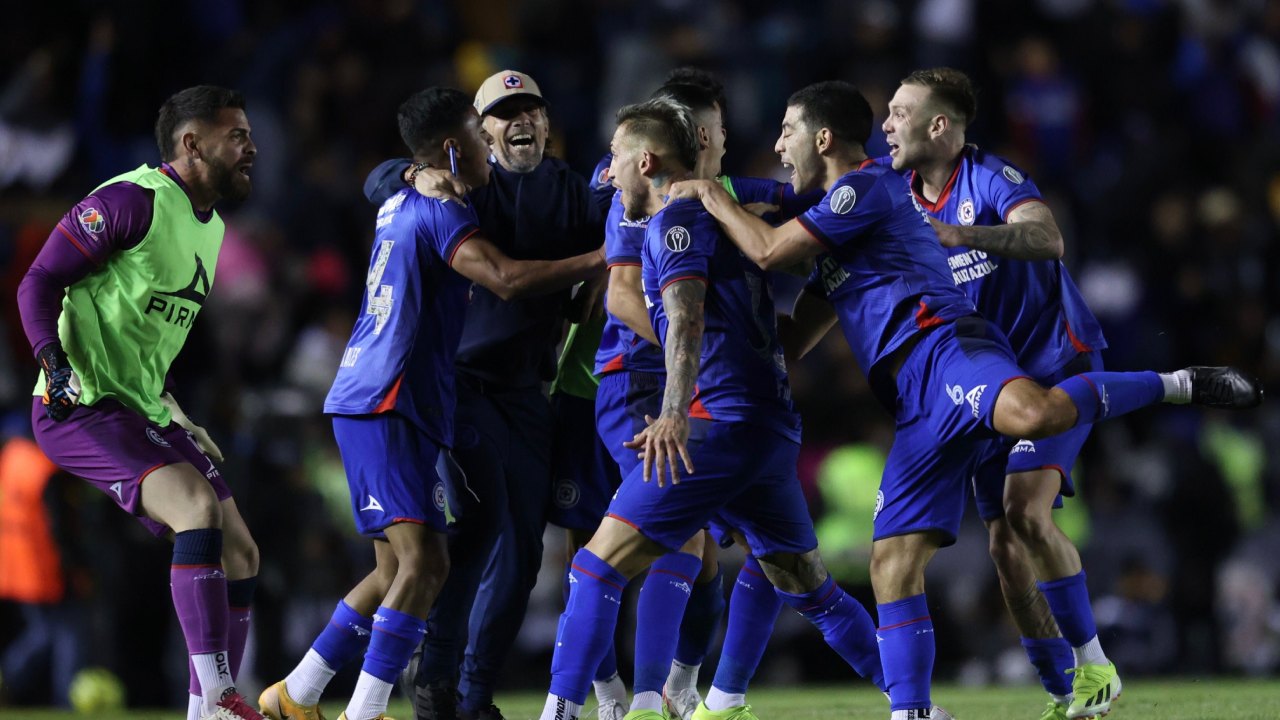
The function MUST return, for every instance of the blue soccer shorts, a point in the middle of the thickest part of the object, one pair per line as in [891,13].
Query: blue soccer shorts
[391,472]
[1005,456]
[584,476]
[744,475]
[947,389]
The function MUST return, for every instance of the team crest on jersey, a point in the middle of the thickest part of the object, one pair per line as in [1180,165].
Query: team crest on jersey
[92,220]
[154,436]
[603,177]
[567,494]
[512,82]
[843,200]
[1012,175]
[437,496]
[676,239]
[879,504]
[966,213]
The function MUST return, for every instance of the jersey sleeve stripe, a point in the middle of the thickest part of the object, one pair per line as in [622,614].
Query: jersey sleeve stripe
[622,261]
[667,284]
[77,244]
[1019,204]
[815,232]
[458,243]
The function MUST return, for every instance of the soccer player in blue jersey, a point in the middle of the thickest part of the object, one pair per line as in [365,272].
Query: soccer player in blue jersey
[1003,250]
[949,376]
[726,410]
[534,206]
[393,404]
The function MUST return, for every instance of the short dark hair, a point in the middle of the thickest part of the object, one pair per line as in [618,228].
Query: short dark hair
[951,88]
[201,102]
[837,106]
[429,115]
[705,79]
[669,123]
[694,97]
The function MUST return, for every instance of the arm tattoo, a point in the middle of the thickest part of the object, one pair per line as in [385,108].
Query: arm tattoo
[683,301]
[1032,235]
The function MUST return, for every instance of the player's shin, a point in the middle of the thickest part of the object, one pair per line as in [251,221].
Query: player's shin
[906,652]
[1105,395]
[663,598]
[343,639]
[753,610]
[199,588]
[845,625]
[586,629]
[1051,657]
[697,629]
[395,636]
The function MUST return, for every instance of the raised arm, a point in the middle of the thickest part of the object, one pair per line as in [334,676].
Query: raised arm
[482,262]
[768,247]
[1030,234]
[625,301]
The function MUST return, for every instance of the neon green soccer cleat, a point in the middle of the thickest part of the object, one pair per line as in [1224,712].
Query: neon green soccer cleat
[645,715]
[742,712]
[1095,687]
[1054,711]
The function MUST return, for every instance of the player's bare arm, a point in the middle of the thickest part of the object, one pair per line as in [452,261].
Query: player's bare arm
[625,301]
[810,321]
[1030,234]
[768,247]
[668,436]
[482,262]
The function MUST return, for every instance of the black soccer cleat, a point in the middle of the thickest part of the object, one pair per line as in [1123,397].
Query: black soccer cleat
[1224,387]
[436,701]
[490,712]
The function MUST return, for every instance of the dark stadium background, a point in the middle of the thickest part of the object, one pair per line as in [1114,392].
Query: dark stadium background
[1152,127]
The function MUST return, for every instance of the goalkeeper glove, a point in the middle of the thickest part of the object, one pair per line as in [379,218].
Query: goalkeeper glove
[61,386]
[203,441]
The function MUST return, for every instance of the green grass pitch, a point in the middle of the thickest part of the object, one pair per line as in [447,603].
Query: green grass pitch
[1177,699]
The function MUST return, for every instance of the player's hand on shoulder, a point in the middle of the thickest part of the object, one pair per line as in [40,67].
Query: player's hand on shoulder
[691,190]
[437,183]
[948,235]
[62,385]
[662,446]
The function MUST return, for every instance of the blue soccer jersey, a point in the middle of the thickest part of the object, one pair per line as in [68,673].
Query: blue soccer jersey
[401,354]
[884,270]
[1033,301]
[743,375]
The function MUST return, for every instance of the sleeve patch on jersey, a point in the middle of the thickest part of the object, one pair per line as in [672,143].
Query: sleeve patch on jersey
[676,239]
[843,200]
[1012,175]
[92,220]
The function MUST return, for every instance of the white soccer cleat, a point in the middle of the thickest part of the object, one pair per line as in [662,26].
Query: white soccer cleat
[682,703]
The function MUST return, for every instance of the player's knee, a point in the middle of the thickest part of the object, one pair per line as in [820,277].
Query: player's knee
[201,509]
[241,560]
[424,567]
[1030,523]
[1032,416]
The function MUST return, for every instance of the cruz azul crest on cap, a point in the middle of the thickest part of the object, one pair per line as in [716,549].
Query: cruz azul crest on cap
[512,82]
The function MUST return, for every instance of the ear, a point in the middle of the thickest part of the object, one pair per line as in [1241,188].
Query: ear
[650,164]
[938,126]
[704,137]
[822,140]
[187,141]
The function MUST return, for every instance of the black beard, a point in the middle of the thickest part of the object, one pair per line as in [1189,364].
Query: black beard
[225,183]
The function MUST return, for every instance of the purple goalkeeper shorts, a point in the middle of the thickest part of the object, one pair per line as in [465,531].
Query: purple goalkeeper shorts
[115,449]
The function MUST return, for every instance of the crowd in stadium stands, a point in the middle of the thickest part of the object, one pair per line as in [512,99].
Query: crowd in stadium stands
[1153,129]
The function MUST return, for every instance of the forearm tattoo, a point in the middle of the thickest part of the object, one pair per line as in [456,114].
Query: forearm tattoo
[683,301]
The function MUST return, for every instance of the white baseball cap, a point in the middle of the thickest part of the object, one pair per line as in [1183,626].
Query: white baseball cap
[502,85]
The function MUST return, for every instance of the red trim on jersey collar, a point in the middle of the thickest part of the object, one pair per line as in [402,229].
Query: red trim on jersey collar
[943,196]
[863,165]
